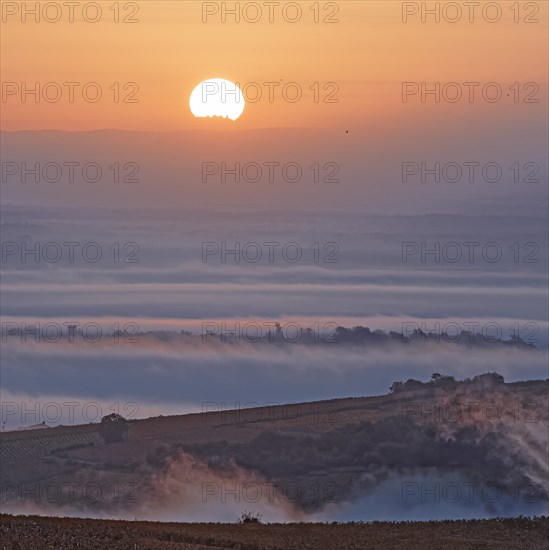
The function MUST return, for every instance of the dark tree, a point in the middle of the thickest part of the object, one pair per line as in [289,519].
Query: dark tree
[113,428]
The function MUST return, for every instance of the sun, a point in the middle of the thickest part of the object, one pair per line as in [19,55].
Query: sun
[217,97]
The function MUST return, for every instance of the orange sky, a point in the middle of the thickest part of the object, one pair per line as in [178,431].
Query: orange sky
[368,54]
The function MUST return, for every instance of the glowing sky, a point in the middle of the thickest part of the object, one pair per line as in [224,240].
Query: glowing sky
[367,54]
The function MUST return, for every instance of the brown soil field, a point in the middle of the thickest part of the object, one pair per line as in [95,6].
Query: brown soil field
[37,533]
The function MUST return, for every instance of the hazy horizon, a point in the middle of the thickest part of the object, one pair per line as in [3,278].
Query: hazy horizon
[215,205]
